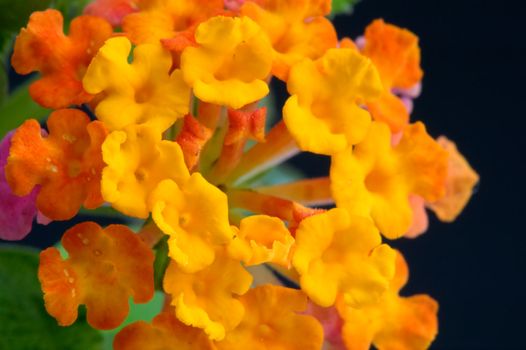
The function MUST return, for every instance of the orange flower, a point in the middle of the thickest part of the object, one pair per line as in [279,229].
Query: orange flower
[104,268]
[461,179]
[376,179]
[272,322]
[67,164]
[396,55]
[62,60]
[165,332]
[296,29]
[163,19]
[394,322]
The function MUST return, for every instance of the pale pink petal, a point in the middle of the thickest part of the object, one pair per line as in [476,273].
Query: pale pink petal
[420,218]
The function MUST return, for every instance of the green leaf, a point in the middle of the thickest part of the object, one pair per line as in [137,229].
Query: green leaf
[277,175]
[343,6]
[161,262]
[14,14]
[3,82]
[70,8]
[138,312]
[18,107]
[25,324]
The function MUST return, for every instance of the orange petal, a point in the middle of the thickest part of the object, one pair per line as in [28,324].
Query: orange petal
[272,322]
[394,322]
[395,53]
[390,110]
[67,163]
[104,268]
[165,332]
[460,181]
[62,60]
[192,139]
[420,220]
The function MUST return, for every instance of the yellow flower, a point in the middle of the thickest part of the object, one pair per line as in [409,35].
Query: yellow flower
[273,321]
[231,64]
[395,322]
[323,113]
[206,299]
[137,93]
[137,160]
[376,179]
[337,253]
[297,30]
[195,216]
[262,239]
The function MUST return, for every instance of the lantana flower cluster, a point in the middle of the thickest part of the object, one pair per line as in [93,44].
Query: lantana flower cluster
[159,112]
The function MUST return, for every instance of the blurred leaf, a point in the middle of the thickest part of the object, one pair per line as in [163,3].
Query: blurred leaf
[277,175]
[161,262]
[24,321]
[15,13]
[18,107]
[70,8]
[343,6]
[138,312]
[3,82]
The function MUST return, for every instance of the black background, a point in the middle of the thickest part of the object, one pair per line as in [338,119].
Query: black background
[474,92]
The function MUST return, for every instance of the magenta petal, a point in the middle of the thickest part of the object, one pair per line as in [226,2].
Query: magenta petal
[16,213]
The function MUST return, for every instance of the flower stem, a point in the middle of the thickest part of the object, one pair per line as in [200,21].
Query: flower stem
[311,192]
[279,146]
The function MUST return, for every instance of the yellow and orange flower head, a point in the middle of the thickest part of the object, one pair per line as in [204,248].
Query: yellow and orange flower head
[272,321]
[323,113]
[395,322]
[143,92]
[165,332]
[262,239]
[396,54]
[460,181]
[376,179]
[104,268]
[337,253]
[67,164]
[62,60]
[297,30]
[231,64]
[195,216]
[137,160]
[164,19]
[214,309]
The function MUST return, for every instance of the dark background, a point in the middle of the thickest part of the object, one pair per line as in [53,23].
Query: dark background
[473,59]
[473,92]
